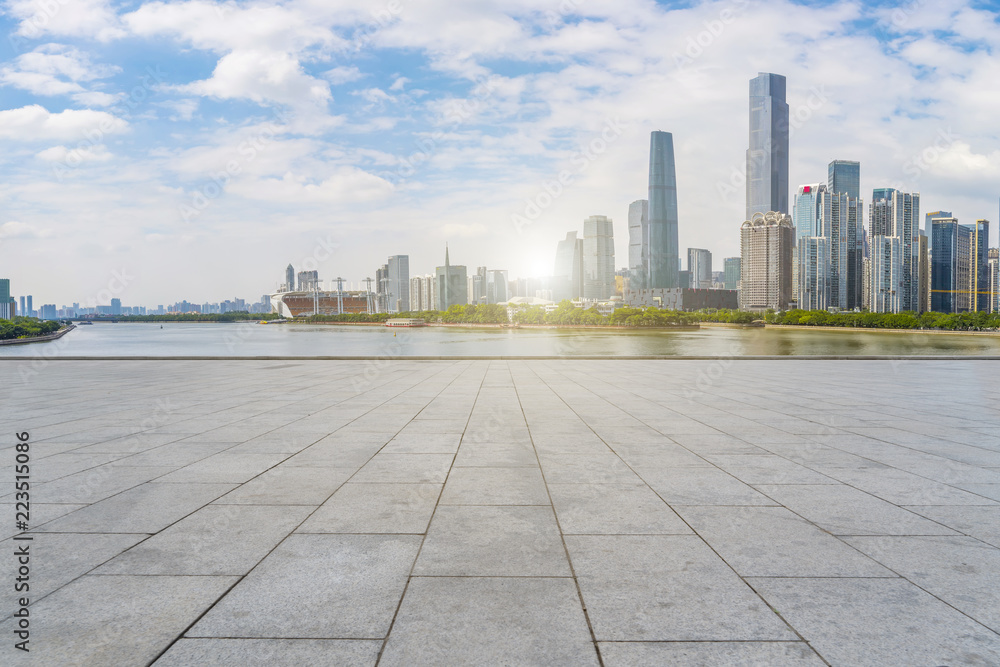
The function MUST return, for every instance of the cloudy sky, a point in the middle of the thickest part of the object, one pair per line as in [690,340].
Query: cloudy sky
[199,147]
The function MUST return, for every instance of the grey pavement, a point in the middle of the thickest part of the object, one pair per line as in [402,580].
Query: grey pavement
[506,512]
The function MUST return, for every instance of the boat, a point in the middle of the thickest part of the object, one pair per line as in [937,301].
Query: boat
[405,322]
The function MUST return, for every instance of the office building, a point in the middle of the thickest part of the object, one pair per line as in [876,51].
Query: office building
[23,310]
[844,177]
[382,289]
[598,257]
[638,249]
[567,276]
[496,286]
[308,281]
[993,266]
[477,286]
[766,261]
[813,257]
[30,312]
[398,285]
[663,252]
[700,268]
[806,218]
[897,214]
[452,285]
[924,255]
[289,279]
[732,272]
[841,224]
[929,226]
[8,307]
[981,266]
[952,266]
[887,283]
[767,156]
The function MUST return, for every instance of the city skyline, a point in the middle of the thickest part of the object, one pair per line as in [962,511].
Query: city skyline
[332,133]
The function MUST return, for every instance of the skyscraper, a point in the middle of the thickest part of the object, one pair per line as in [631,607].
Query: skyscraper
[981,266]
[22,311]
[398,293]
[567,277]
[30,312]
[663,251]
[886,260]
[638,250]
[993,263]
[289,279]
[766,261]
[953,266]
[897,214]
[7,304]
[452,285]
[806,210]
[767,156]
[813,257]
[598,257]
[700,266]
[732,272]
[841,224]
[844,177]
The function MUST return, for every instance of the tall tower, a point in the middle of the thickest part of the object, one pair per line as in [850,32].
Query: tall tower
[399,283]
[598,258]
[767,157]
[844,177]
[638,250]
[664,258]
[289,279]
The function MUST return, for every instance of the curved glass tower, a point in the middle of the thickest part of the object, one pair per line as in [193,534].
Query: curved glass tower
[664,257]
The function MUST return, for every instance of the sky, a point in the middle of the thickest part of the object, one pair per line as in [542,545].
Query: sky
[191,150]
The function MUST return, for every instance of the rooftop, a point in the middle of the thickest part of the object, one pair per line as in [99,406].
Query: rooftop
[508,512]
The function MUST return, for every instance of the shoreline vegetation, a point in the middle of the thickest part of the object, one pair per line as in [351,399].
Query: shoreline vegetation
[568,315]
[28,329]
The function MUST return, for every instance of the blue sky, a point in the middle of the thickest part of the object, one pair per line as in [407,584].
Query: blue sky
[202,146]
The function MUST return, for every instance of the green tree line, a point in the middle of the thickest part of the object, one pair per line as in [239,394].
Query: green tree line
[26,327]
[979,321]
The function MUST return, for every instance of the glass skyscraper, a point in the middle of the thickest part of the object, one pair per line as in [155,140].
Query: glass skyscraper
[845,178]
[664,257]
[399,284]
[598,258]
[638,250]
[767,157]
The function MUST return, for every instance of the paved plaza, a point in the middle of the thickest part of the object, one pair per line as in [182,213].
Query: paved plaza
[543,512]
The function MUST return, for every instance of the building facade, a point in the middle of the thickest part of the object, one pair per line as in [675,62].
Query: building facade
[398,292]
[993,265]
[598,258]
[841,223]
[567,277]
[767,156]
[897,214]
[638,248]
[663,250]
[844,177]
[886,261]
[452,286]
[700,267]
[981,266]
[766,261]
[731,266]
[813,258]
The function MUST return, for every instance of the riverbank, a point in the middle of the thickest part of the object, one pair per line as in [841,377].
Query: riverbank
[39,339]
[949,332]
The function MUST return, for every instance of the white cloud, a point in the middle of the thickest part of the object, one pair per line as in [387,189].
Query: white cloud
[71,18]
[399,83]
[74,156]
[183,109]
[341,75]
[20,230]
[57,69]
[346,185]
[36,123]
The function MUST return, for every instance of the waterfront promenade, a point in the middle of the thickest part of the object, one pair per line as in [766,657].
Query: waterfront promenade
[548,512]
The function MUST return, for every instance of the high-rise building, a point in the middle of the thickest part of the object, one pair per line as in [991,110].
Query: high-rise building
[116,306]
[806,210]
[844,177]
[993,264]
[382,289]
[496,286]
[663,252]
[477,286]
[638,248]
[813,257]
[289,279]
[598,257]
[953,267]
[700,267]
[766,261]
[7,304]
[929,226]
[886,261]
[23,310]
[897,214]
[924,255]
[732,272]
[767,156]
[308,281]
[567,277]
[452,286]
[398,293]
[30,312]
[981,266]
[841,224]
